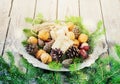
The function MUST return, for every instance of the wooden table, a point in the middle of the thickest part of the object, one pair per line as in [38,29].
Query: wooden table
[13,12]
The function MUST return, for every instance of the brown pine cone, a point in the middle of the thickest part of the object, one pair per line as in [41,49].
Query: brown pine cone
[32,49]
[56,54]
[76,32]
[48,46]
[72,52]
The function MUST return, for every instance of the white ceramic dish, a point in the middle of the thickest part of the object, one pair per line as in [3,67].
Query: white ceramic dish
[98,50]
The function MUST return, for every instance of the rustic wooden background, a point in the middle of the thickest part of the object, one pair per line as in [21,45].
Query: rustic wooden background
[13,12]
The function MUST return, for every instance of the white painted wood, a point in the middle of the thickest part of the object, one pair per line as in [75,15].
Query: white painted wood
[4,7]
[20,10]
[91,13]
[111,14]
[4,20]
[47,8]
[67,8]
[3,30]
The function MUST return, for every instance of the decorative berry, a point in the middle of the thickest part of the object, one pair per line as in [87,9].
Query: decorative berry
[72,52]
[70,26]
[49,59]
[56,54]
[32,49]
[76,32]
[32,40]
[48,46]
[71,35]
[83,38]
[76,43]
[39,53]
[83,53]
[41,42]
[85,46]
[46,58]
[43,35]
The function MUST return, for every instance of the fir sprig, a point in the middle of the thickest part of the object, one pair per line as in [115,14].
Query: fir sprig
[93,37]
[75,64]
[24,42]
[76,77]
[29,32]
[37,20]
[11,57]
[10,74]
[55,65]
[105,71]
[117,49]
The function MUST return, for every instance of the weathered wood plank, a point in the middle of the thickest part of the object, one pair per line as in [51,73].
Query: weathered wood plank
[20,10]
[5,6]
[111,15]
[91,13]
[67,8]
[47,8]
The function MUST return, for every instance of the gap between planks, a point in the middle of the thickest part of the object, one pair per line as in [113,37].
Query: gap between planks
[7,27]
[104,26]
[17,20]
[91,12]
[112,21]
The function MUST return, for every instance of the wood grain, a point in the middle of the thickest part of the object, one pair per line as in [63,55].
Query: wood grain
[47,8]
[5,6]
[111,15]
[20,10]
[90,11]
[67,8]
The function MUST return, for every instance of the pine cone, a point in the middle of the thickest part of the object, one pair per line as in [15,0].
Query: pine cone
[56,54]
[76,32]
[48,46]
[32,49]
[41,43]
[72,52]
